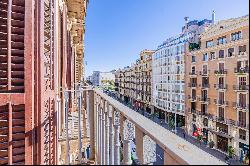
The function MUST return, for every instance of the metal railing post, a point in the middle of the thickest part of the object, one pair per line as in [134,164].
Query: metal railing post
[66,95]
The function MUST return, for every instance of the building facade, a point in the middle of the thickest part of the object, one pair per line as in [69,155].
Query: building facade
[41,53]
[168,95]
[102,78]
[134,82]
[217,86]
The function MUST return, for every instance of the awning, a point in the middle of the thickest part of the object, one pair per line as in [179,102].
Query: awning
[220,133]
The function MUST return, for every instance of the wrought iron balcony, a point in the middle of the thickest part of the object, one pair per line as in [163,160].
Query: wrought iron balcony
[241,70]
[205,73]
[221,86]
[192,98]
[220,72]
[192,85]
[204,86]
[204,100]
[241,87]
[241,106]
[193,73]
[221,102]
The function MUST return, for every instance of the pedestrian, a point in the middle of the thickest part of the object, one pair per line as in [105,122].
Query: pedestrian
[184,135]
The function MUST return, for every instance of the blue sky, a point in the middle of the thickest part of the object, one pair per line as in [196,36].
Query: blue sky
[117,30]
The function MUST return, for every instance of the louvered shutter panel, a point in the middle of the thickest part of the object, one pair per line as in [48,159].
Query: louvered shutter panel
[12,13]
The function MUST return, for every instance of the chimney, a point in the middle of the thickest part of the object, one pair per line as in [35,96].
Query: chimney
[213,18]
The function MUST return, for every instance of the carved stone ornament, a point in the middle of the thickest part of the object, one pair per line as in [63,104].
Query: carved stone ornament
[149,150]
[116,118]
[129,130]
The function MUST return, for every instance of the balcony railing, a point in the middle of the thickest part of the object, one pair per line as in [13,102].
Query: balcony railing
[221,102]
[204,100]
[241,70]
[221,86]
[204,86]
[241,87]
[241,106]
[204,73]
[220,72]
[193,73]
[192,98]
[193,85]
[111,123]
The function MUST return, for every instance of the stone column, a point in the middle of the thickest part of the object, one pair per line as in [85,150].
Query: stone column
[107,125]
[103,133]
[97,127]
[92,125]
[145,148]
[128,136]
[117,138]
[111,138]
[100,134]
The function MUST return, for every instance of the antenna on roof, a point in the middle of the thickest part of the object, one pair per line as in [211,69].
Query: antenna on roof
[213,17]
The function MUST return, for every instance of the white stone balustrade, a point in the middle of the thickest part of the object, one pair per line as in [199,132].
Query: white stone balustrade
[115,124]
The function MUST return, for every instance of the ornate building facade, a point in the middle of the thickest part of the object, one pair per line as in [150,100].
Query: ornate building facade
[41,54]
[217,89]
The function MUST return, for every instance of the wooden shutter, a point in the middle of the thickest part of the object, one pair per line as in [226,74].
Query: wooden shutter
[12,14]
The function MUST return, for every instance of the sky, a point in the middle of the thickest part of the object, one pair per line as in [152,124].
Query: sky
[118,30]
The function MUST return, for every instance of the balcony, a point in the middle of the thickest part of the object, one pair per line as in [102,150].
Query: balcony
[192,85]
[192,98]
[204,86]
[205,73]
[220,72]
[241,88]
[241,106]
[221,102]
[204,100]
[221,86]
[241,71]
[193,74]
[243,125]
[112,123]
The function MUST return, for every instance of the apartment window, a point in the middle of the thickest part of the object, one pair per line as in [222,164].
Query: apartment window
[230,52]
[221,40]
[209,44]
[205,57]
[242,49]
[221,66]
[205,81]
[193,58]
[221,97]
[193,93]
[236,36]
[212,55]
[193,70]
[204,69]
[221,81]
[242,100]
[204,95]
[242,119]
[242,134]
[203,109]
[221,113]
[221,54]
[242,81]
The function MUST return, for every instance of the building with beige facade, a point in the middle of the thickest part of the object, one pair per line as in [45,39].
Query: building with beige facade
[217,86]
[134,82]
